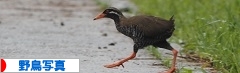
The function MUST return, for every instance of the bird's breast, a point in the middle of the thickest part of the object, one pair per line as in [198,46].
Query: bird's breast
[129,31]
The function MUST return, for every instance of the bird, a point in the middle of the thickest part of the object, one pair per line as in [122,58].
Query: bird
[144,30]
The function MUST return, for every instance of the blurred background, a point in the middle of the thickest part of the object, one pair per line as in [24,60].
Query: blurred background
[208,30]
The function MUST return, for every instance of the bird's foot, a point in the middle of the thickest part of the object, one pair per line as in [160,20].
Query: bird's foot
[115,64]
[169,71]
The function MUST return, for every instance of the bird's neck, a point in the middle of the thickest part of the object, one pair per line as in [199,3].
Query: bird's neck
[118,20]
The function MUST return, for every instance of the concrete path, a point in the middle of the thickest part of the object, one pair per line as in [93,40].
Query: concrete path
[65,29]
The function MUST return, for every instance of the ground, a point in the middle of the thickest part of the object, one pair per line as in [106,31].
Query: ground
[65,29]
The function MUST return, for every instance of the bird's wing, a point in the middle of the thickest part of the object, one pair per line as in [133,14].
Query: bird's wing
[151,26]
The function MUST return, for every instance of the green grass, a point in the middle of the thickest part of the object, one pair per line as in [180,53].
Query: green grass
[209,28]
[185,70]
[167,61]
[101,4]
[154,52]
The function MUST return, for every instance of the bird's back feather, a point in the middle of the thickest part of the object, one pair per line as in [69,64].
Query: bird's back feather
[150,26]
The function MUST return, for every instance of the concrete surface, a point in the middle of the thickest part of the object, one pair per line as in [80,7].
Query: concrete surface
[32,29]
[65,29]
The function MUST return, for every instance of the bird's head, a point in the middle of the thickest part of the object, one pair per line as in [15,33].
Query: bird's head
[110,12]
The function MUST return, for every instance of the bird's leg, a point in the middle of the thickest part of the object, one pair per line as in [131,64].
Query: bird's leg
[172,69]
[120,62]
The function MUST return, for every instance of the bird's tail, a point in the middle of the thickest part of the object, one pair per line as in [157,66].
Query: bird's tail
[172,19]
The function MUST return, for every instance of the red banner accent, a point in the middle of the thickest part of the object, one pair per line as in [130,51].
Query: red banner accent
[3,65]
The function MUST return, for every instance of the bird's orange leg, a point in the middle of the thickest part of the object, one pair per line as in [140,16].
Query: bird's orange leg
[172,69]
[118,63]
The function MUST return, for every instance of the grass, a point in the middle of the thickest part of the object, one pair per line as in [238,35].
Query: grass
[209,29]
[167,61]
[154,52]
[102,5]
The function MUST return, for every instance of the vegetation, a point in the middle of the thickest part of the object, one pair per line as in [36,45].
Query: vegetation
[102,5]
[209,29]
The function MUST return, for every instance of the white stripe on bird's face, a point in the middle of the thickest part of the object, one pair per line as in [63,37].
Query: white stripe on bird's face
[113,12]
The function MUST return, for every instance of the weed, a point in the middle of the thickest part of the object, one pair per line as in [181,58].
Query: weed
[208,28]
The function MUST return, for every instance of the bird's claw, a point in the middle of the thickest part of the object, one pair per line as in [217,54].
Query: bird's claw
[122,65]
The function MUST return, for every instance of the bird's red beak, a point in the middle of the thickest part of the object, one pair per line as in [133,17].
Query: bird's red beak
[101,15]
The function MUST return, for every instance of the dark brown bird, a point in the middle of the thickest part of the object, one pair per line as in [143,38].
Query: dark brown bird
[143,30]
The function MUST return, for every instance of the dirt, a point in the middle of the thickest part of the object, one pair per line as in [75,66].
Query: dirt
[65,29]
